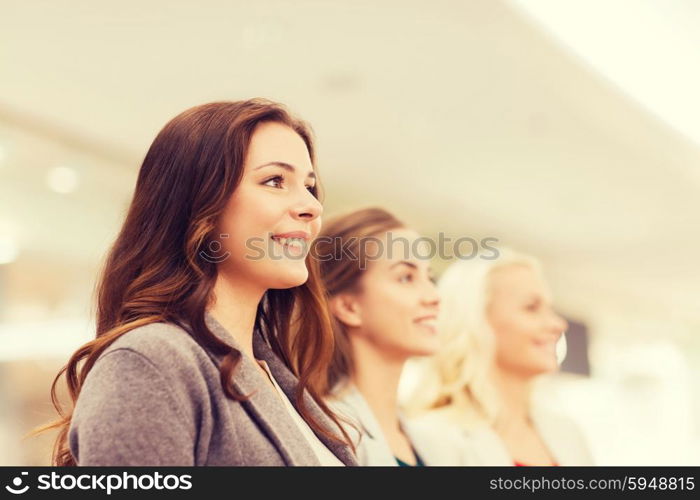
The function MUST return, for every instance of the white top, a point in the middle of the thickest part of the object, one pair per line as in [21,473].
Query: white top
[560,434]
[324,455]
[441,445]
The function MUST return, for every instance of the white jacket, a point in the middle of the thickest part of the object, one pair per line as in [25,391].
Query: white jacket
[560,434]
[442,445]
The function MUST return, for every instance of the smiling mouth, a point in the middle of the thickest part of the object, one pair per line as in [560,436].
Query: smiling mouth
[293,246]
[547,345]
[427,323]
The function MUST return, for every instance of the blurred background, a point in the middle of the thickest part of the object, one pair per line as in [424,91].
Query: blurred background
[568,129]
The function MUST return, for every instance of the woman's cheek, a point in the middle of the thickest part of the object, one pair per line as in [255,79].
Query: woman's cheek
[316,227]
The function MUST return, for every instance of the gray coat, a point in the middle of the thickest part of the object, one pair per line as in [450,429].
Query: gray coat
[154,398]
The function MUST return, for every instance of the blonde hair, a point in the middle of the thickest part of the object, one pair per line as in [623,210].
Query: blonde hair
[457,380]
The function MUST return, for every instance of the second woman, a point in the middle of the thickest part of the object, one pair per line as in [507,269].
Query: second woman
[384,304]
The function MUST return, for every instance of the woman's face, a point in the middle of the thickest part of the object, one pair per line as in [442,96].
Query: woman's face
[525,325]
[397,301]
[272,216]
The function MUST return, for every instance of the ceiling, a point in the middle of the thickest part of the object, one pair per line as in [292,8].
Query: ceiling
[478,118]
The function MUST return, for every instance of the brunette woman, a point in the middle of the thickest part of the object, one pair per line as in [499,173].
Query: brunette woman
[384,304]
[212,337]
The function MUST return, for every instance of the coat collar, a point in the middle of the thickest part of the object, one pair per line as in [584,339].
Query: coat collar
[265,406]
[357,406]
[350,400]
[288,382]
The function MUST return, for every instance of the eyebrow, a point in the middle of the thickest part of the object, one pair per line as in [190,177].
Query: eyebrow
[285,166]
[405,263]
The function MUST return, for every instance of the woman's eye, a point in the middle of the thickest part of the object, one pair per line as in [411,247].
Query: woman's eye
[406,278]
[276,181]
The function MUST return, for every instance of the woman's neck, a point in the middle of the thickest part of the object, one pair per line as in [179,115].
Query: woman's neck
[377,376]
[514,393]
[235,305]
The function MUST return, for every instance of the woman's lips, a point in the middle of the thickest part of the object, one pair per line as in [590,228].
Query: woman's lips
[294,234]
[428,322]
[549,346]
[292,245]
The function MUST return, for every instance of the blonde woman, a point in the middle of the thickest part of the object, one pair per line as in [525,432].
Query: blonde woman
[499,333]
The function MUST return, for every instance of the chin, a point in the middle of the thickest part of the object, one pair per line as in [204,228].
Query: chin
[289,278]
[431,349]
[425,352]
[544,368]
[422,350]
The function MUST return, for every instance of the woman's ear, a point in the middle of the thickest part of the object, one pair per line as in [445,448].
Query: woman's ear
[346,309]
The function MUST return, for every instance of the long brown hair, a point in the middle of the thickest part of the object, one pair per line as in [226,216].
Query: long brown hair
[340,249]
[153,272]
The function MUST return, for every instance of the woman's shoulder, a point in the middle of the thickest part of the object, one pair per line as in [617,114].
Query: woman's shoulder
[346,402]
[448,434]
[439,438]
[156,340]
[167,347]
[157,361]
[141,401]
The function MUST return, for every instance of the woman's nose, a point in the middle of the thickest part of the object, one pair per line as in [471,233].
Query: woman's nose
[308,208]
[559,324]
[431,297]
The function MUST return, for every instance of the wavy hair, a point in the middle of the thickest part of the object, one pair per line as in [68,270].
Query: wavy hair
[457,380]
[154,273]
[340,236]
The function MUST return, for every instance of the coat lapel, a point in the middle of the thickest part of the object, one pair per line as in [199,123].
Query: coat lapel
[264,405]
[288,382]
[377,450]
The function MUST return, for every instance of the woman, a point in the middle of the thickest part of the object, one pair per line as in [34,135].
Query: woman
[499,333]
[212,336]
[384,303]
